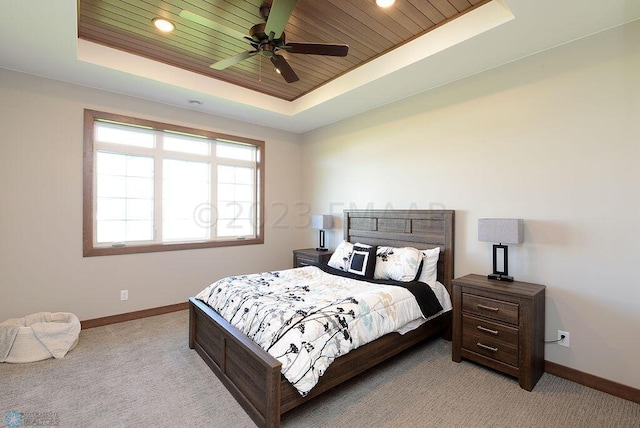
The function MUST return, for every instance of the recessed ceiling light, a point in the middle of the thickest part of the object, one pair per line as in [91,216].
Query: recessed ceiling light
[163,25]
[385,3]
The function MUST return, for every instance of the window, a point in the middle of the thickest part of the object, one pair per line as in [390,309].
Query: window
[151,186]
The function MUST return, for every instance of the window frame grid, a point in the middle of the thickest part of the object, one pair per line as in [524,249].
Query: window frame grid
[91,147]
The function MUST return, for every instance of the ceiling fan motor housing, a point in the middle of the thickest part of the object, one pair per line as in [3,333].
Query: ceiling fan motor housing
[262,40]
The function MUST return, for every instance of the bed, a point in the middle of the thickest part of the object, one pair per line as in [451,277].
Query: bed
[254,377]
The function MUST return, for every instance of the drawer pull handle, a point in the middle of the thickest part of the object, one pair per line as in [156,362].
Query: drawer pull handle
[488,348]
[488,330]
[488,308]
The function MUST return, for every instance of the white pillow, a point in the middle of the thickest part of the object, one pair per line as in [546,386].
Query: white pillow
[400,264]
[341,257]
[429,273]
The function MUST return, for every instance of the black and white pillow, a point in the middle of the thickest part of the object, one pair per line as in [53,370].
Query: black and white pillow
[363,260]
[399,264]
[341,257]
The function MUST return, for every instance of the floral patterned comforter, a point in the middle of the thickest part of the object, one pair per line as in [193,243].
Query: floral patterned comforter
[306,317]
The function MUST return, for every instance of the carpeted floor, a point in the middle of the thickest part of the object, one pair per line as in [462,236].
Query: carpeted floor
[142,374]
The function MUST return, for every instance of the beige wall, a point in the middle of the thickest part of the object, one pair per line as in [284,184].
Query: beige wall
[553,139]
[41,263]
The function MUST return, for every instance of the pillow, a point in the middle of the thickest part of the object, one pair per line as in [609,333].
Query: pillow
[363,260]
[429,273]
[399,264]
[341,256]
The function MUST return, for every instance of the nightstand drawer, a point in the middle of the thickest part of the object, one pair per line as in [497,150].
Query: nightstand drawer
[310,256]
[494,309]
[491,348]
[302,261]
[489,330]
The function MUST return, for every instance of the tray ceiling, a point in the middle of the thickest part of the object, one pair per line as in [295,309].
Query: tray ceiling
[368,30]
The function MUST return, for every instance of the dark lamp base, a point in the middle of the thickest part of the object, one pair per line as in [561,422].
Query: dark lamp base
[500,277]
[326,249]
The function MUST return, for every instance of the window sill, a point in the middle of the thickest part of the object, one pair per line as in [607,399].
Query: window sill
[91,251]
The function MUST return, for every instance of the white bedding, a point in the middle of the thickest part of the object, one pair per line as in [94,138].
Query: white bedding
[445,300]
[306,318]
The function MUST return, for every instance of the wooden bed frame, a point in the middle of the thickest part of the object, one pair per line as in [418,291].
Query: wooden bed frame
[253,376]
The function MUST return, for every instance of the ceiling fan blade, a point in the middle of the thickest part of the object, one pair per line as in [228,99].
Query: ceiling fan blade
[285,69]
[317,49]
[279,14]
[228,62]
[194,17]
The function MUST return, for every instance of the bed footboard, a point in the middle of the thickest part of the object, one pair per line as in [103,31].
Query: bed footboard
[247,371]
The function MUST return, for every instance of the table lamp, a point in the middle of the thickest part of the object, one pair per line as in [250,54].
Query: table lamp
[322,222]
[503,231]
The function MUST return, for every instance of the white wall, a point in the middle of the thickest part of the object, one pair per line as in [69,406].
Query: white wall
[41,263]
[553,139]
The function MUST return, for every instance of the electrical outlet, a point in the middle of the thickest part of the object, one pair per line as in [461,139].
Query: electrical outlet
[124,295]
[565,341]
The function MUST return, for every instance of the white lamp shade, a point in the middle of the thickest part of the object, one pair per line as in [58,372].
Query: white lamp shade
[322,221]
[501,230]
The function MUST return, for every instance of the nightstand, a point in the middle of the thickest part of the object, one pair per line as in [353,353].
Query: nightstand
[500,325]
[309,256]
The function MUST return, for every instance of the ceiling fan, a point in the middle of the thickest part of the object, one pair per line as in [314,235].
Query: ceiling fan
[268,39]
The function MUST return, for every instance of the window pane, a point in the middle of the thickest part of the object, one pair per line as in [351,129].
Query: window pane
[234,193]
[140,209]
[111,163]
[139,166]
[121,134]
[111,231]
[244,176]
[139,187]
[186,189]
[183,230]
[110,186]
[186,144]
[231,210]
[139,230]
[226,174]
[235,174]
[236,151]
[244,193]
[112,209]
[234,227]
[235,201]
[226,192]
[125,190]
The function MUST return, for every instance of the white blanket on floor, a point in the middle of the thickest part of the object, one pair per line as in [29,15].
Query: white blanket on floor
[58,332]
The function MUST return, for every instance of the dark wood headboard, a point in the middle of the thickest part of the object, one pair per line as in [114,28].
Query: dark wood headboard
[422,229]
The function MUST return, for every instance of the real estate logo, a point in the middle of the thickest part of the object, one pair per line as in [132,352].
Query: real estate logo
[23,419]
[13,419]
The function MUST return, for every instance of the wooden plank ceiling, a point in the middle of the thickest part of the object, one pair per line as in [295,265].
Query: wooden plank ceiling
[368,30]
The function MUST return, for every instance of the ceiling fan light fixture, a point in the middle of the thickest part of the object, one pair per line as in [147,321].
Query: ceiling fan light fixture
[163,25]
[277,70]
[385,3]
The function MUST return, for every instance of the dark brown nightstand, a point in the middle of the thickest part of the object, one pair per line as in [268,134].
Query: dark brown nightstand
[308,256]
[500,325]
